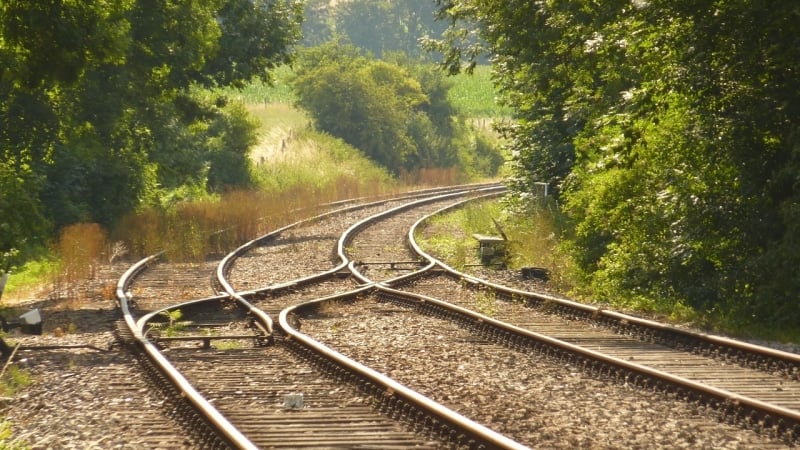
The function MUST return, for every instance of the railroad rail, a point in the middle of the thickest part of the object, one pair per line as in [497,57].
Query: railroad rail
[763,394]
[207,407]
[346,245]
[769,416]
[376,273]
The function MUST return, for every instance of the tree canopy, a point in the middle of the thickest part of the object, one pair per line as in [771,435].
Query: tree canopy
[98,111]
[669,130]
[394,110]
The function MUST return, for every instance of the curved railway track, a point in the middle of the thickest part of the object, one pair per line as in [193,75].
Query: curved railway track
[87,392]
[763,374]
[341,406]
[692,366]
[296,314]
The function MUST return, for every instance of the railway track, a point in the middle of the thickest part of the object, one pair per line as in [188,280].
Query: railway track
[234,382]
[755,398]
[87,391]
[279,401]
[533,398]
[760,373]
[500,367]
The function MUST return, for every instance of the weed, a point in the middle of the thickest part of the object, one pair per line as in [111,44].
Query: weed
[173,326]
[118,250]
[451,234]
[519,299]
[13,380]
[532,239]
[7,442]
[29,278]
[80,248]
[327,307]
[549,306]
[433,176]
[109,291]
[486,303]
[228,345]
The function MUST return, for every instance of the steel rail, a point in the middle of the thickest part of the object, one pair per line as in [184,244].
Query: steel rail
[771,415]
[223,268]
[786,419]
[598,313]
[411,194]
[349,234]
[389,386]
[510,334]
[225,429]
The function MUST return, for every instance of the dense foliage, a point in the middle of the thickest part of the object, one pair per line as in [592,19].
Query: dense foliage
[670,132]
[394,110]
[97,107]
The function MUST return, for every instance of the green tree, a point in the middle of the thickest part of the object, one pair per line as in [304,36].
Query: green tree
[670,131]
[395,110]
[365,102]
[318,23]
[97,106]
[435,127]
[256,36]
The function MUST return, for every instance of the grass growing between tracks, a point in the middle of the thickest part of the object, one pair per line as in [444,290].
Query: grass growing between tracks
[7,440]
[13,379]
[531,239]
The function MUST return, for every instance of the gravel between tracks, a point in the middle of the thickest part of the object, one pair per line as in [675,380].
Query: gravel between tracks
[76,395]
[69,403]
[91,397]
[541,403]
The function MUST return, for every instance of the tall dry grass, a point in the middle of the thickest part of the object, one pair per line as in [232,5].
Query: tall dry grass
[193,231]
[196,230]
[296,168]
[81,249]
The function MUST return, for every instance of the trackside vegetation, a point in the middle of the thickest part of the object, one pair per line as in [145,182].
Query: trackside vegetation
[105,107]
[532,239]
[294,167]
[669,133]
